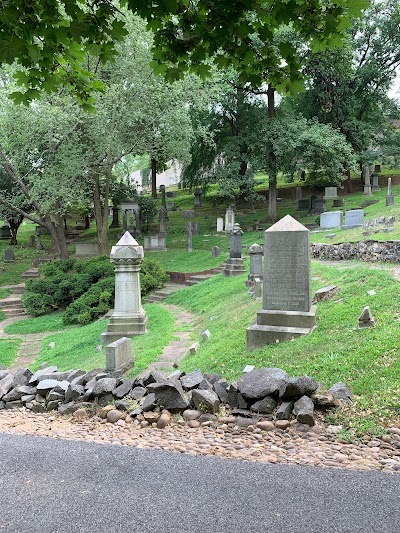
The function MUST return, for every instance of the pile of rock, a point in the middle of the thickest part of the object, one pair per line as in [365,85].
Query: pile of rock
[261,393]
[362,250]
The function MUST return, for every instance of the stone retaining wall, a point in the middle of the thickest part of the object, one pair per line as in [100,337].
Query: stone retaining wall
[362,250]
[182,277]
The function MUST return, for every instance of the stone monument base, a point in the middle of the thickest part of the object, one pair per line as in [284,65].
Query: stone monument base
[367,190]
[272,326]
[233,267]
[390,199]
[251,278]
[124,326]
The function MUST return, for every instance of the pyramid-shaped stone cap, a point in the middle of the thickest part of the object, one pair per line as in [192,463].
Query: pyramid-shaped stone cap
[287,223]
[255,249]
[127,248]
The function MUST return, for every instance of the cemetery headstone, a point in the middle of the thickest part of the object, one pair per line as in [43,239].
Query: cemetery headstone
[163,201]
[257,294]
[163,224]
[119,354]
[256,267]
[286,310]
[234,265]
[128,317]
[5,232]
[377,168]
[338,202]
[317,205]
[39,245]
[381,220]
[86,249]
[367,181]
[389,196]
[331,219]
[330,193]
[9,256]
[197,198]
[229,220]
[155,243]
[32,241]
[375,182]
[220,224]
[353,218]
[304,204]
[171,206]
[189,214]
[215,252]
[195,228]
[115,217]
[299,194]
[189,232]
[366,320]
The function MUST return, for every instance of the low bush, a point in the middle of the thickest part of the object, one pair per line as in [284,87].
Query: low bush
[85,290]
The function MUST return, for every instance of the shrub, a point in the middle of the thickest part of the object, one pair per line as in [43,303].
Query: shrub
[85,289]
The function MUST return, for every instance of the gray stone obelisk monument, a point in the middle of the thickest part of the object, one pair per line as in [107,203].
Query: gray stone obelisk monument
[389,197]
[234,265]
[128,318]
[367,181]
[287,311]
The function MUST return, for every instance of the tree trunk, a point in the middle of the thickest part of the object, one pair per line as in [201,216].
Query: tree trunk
[15,223]
[153,178]
[56,230]
[101,211]
[272,159]
[242,172]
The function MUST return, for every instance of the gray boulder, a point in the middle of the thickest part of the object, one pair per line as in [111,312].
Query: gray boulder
[220,388]
[61,387]
[74,374]
[296,387]
[262,382]
[46,385]
[205,400]
[324,399]
[35,377]
[341,391]
[2,405]
[21,377]
[104,399]
[18,392]
[233,395]
[149,403]
[55,397]
[138,392]
[153,376]
[123,389]
[169,396]
[104,385]
[68,408]
[3,373]
[6,384]
[192,380]
[88,376]
[303,409]
[284,410]
[59,376]
[266,405]
[74,392]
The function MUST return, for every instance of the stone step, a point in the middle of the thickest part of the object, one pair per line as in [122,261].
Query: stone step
[154,298]
[10,302]
[17,289]
[13,312]
[33,273]
[200,277]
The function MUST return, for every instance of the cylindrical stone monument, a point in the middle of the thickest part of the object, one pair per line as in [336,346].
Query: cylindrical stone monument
[389,197]
[128,318]
[256,270]
[367,181]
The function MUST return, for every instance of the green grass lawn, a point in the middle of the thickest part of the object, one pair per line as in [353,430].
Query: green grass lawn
[76,346]
[39,324]
[367,360]
[8,351]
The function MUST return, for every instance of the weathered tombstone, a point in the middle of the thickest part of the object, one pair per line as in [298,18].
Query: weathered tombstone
[171,206]
[5,232]
[87,249]
[256,268]
[195,228]
[330,193]
[163,201]
[189,232]
[381,220]
[330,219]
[353,218]
[131,217]
[234,265]
[9,256]
[115,217]
[128,317]
[220,224]
[32,241]
[339,202]
[215,251]
[119,354]
[304,204]
[39,245]
[155,243]
[286,311]
[189,214]
[366,320]
[317,205]
[163,224]
[197,198]
[229,220]
[375,182]
[389,197]
[257,294]
[367,181]
[390,220]
[377,167]
[298,194]
[124,221]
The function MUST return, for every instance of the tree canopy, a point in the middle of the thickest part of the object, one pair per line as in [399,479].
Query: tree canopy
[50,39]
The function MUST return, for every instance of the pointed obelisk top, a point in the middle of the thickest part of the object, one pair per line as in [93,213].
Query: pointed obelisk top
[127,240]
[287,223]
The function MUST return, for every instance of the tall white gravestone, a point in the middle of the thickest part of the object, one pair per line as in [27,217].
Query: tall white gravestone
[287,311]
[220,224]
[128,318]
[229,220]
[389,196]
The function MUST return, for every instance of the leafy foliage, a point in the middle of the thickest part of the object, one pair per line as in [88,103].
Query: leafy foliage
[84,289]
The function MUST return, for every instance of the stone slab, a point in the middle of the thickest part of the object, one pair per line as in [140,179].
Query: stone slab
[119,354]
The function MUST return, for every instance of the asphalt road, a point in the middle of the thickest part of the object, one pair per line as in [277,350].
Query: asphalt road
[55,486]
